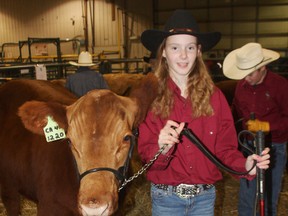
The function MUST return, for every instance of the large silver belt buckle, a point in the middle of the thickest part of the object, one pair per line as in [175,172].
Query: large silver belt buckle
[186,191]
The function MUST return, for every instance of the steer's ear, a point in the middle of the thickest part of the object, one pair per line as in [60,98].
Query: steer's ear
[145,95]
[34,115]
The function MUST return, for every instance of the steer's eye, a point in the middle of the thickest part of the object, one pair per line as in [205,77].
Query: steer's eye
[127,138]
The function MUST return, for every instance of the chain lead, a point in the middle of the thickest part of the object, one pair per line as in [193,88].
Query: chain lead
[143,169]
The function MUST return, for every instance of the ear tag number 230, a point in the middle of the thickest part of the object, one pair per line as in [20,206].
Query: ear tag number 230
[52,131]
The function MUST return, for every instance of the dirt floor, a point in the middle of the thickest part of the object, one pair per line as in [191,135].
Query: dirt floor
[226,203]
[227,198]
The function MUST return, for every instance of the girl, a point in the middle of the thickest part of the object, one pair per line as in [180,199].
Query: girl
[182,177]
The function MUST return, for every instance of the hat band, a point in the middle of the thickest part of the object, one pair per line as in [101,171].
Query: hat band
[175,30]
[83,62]
[263,60]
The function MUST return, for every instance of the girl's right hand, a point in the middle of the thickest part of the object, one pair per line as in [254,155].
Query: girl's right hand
[169,135]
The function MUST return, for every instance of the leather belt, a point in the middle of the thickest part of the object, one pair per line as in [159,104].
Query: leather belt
[185,190]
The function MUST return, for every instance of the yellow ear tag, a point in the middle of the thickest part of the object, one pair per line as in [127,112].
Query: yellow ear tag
[52,131]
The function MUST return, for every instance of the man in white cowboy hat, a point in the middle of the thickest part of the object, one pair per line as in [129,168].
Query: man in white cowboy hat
[263,93]
[85,79]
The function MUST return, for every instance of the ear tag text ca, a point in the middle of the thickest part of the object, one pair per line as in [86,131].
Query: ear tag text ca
[52,131]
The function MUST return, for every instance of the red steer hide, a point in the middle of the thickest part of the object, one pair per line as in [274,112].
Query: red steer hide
[97,125]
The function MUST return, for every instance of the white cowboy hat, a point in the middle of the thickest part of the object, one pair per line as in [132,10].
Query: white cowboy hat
[84,59]
[241,62]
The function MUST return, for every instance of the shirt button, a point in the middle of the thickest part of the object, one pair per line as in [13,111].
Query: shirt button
[190,167]
[211,132]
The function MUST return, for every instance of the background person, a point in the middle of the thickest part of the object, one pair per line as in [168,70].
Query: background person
[263,93]
[85,78]
[182,177]
[151,61]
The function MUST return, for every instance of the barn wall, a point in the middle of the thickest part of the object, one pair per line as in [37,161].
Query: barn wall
[119,23]
[239,21]
[116,25]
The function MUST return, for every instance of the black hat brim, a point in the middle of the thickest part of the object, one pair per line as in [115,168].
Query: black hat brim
[151,39]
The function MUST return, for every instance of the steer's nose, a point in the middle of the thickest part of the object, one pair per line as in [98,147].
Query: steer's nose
[94,207]
[94,210]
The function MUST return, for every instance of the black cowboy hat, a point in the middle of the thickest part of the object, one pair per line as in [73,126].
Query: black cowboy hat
[181,22]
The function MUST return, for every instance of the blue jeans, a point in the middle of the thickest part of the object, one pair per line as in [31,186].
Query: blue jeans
[166,203]
[273,180]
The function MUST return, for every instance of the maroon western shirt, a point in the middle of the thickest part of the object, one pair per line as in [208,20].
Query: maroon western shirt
[185,163]
[269,102]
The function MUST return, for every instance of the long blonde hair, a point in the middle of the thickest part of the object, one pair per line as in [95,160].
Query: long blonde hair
[200,88]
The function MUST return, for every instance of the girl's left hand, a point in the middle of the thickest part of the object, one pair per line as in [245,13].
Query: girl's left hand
[263,161]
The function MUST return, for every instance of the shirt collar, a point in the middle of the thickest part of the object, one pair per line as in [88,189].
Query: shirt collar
[172,85]
[175,89]
[264,83]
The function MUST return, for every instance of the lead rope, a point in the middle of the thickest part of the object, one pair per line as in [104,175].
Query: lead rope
[188,133]
[143,169]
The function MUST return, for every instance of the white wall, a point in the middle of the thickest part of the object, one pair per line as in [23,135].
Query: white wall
[63,19]
[119,23]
